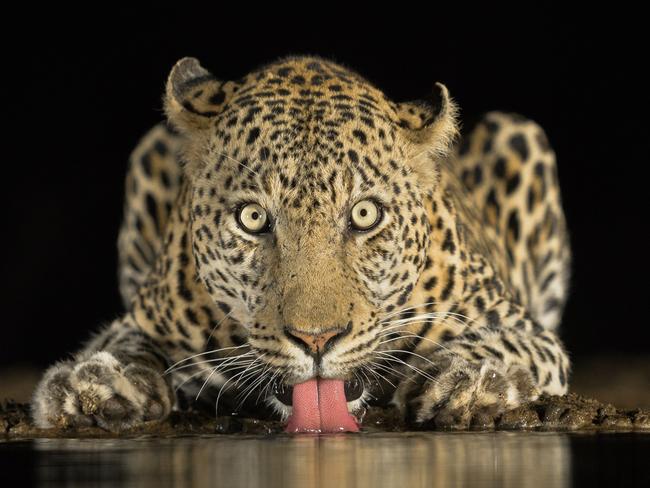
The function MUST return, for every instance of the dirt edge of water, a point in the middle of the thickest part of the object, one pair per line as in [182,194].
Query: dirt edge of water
[571,412]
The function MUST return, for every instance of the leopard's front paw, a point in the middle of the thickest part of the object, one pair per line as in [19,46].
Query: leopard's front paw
[460,394]
[100,390]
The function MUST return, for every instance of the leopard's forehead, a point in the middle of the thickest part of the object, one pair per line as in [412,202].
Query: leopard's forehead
[306,125]
[308,105]
[314,85]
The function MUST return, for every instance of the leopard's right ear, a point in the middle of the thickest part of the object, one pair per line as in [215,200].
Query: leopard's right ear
[193,95]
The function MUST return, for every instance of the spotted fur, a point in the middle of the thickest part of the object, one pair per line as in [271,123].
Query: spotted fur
[448,307]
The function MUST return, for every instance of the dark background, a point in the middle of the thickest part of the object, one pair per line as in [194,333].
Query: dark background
[82,90]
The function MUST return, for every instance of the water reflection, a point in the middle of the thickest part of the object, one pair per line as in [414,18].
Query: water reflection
[372,460]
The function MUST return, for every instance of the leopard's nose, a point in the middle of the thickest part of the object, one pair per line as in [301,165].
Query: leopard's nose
[316,343]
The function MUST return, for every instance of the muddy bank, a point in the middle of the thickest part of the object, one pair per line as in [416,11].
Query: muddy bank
[550,413]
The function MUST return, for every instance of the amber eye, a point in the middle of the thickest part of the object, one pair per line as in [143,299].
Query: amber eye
[252,218]
[366,214]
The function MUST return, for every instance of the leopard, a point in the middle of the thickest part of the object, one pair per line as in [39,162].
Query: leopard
[297,227]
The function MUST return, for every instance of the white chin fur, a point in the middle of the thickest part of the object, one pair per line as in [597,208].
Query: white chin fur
[284,411]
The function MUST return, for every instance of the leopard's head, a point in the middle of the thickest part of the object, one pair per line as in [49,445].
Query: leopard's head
[308,219]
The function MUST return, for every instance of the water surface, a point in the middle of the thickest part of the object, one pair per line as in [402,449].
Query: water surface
[362,460]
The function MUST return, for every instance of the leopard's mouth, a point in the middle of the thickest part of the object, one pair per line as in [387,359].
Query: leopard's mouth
[322,405]
[353,391]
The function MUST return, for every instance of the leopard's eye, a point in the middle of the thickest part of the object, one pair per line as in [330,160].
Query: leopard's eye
[253,218]
[365,215]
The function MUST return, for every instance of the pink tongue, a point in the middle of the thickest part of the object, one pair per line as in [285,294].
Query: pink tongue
[319,405]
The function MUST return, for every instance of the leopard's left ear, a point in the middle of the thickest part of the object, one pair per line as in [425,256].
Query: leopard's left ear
[193,95]
[430,129]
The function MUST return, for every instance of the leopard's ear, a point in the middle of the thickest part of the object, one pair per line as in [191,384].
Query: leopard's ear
[430,129]
[193,95]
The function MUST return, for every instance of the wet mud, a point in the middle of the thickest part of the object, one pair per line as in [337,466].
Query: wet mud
[571,412]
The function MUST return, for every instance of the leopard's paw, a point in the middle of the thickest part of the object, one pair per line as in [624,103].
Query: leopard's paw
[100,390]
[460,394]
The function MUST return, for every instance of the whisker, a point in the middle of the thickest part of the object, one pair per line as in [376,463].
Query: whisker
[203,370]
[389,368]
[262,375]
[359,379]
[215,328]
[387,351]
[364,368]
[421,320]
[390,357]
[216,405]
[234,362]
[417,336]
[268,384]
[189,378]
[432,315]
[259,358]
[276,381]
[215,360]
[205,383]
[249,388]
[406,309]
[251,374]
[215,370]
[382,376]
[400,338]
[204,353]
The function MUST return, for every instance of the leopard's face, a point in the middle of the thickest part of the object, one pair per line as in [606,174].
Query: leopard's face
[308,217]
